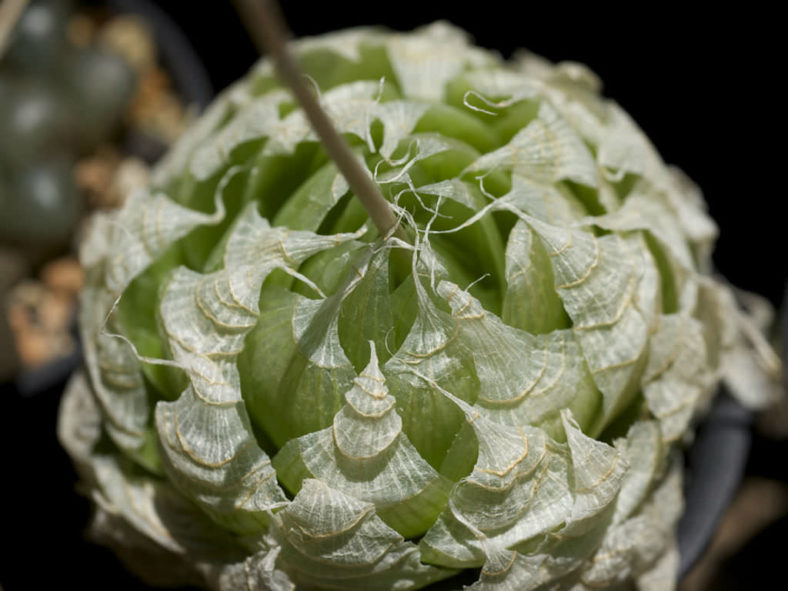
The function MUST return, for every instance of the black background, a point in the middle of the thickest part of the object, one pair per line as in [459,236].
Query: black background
[702,86]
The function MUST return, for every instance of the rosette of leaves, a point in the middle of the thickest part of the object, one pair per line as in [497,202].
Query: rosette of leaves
[276,396]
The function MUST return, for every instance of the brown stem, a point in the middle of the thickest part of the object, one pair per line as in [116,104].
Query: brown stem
[266,25]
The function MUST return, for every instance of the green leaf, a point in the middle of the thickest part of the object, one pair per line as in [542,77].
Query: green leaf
[531,302]
[206,435]
[333,541]
[366,455]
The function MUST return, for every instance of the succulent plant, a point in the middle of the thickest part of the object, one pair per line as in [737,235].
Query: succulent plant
[276,396]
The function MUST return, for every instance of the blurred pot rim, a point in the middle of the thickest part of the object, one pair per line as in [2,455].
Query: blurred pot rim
[176,53]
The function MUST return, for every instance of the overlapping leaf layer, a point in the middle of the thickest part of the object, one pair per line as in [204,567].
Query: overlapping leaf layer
[276,397]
